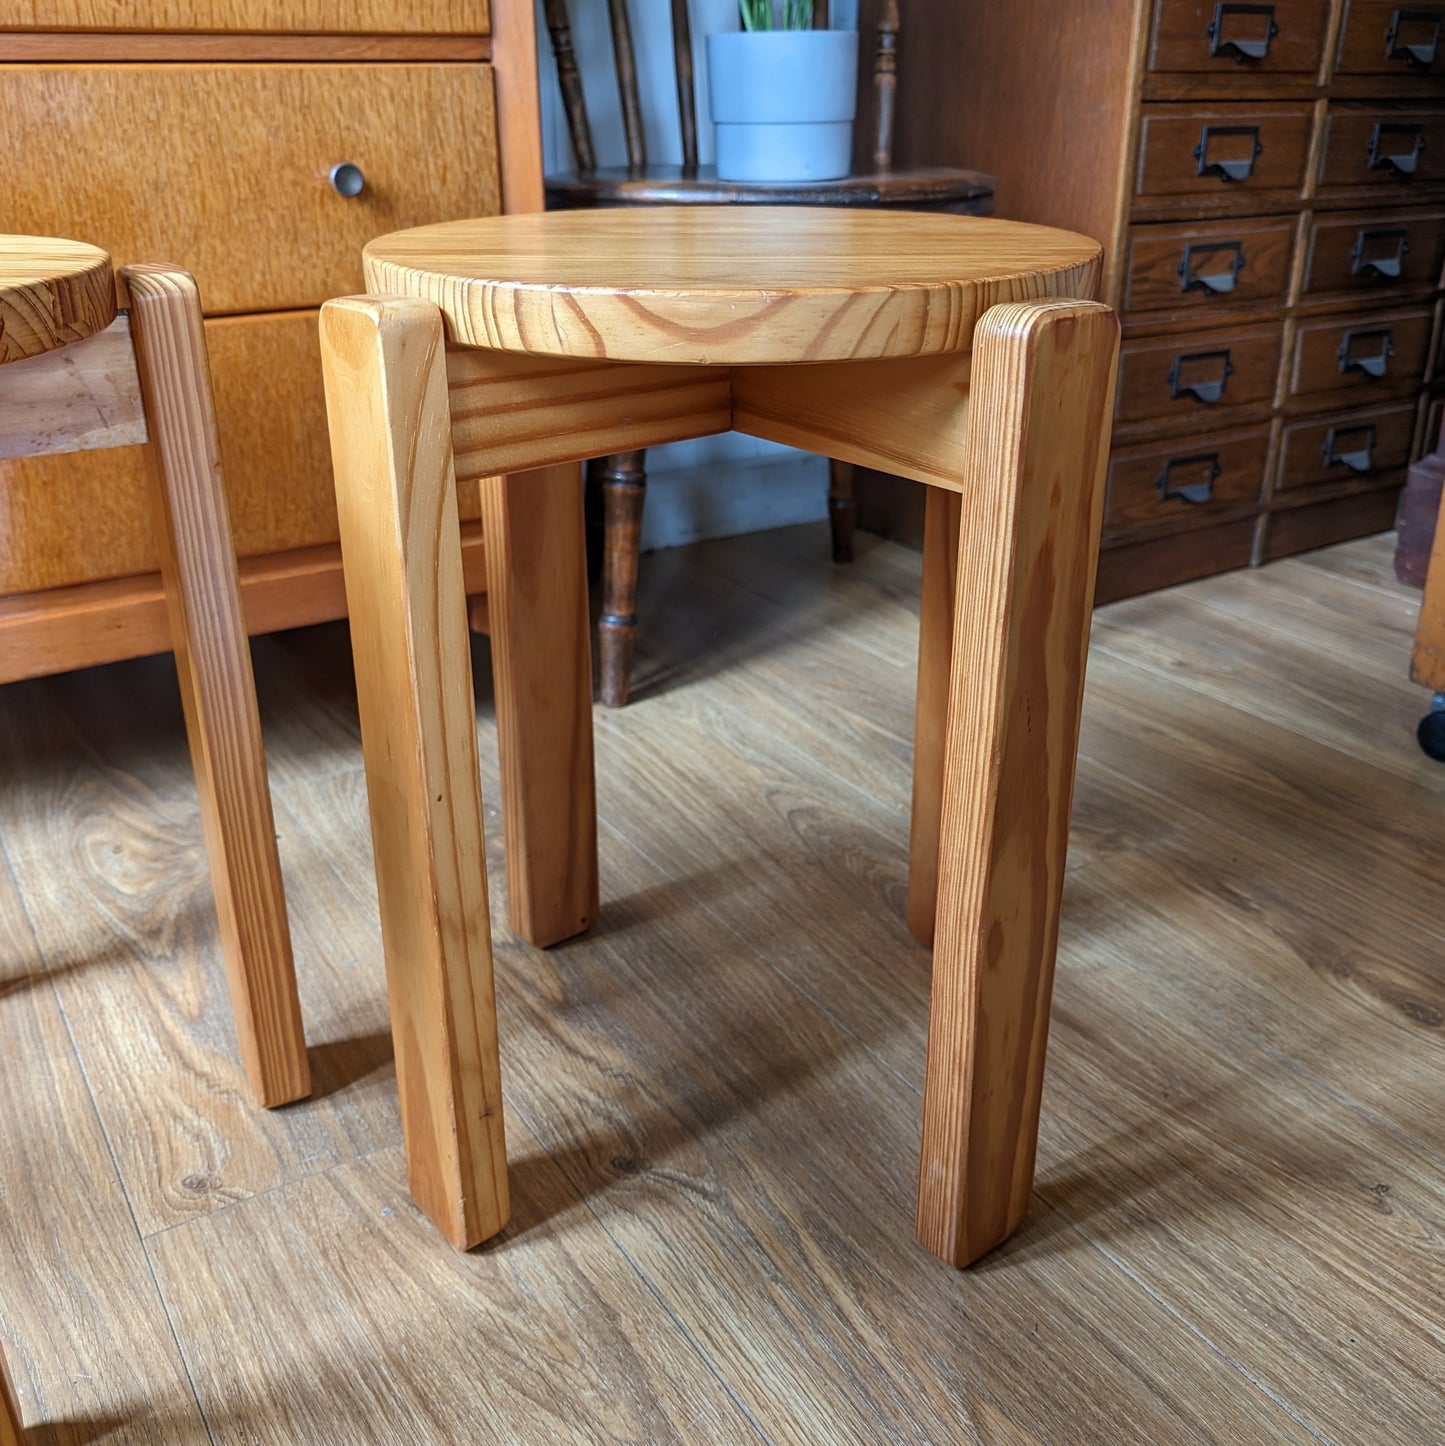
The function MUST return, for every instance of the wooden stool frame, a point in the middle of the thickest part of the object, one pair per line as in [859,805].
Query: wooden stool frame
[144,378]
[1012,438]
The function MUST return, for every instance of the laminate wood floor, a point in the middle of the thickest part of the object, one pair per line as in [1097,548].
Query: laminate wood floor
[713,1101]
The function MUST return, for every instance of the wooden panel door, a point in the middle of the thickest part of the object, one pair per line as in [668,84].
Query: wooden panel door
[231,178]
[387,17]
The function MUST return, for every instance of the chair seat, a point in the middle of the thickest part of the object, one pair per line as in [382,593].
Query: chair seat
[52,293]
[933,188]
[727,286]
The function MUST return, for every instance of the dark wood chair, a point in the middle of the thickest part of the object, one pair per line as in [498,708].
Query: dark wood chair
[622,479]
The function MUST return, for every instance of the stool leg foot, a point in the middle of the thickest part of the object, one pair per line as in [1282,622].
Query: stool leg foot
[386,399]
[1028,545]
[542,670]
[624,490]
[213,660]
[930,720]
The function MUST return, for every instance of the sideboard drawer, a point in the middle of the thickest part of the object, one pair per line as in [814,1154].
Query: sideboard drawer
[1381,37]
[312,17]
[1210,265]
[1222,149]
[1196,375]
[1373,353]
[1377,251]
[1285,37]
[1376,145]
[1195,481]
[233,180]
[1355,446]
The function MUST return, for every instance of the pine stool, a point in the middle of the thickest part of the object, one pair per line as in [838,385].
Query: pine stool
[78,374]
[959,351]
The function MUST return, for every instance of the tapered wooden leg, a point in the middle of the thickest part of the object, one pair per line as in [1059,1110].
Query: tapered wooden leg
[624,488]
[1028,544]
[386,400]
[213,659]
[930,719]
[542,670]
[12,1432]
[842,509]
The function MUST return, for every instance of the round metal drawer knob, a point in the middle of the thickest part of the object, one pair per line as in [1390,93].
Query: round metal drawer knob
[347,179]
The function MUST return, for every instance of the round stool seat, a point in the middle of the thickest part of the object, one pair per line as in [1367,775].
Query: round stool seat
[727,287]
[52,293]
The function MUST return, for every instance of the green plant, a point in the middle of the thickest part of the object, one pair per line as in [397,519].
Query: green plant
[776,14]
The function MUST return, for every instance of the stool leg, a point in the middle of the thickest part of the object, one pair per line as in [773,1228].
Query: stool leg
[842,509]
[12,1430]
[1028,545]
[624,489]
[386,401]
[930,720]
[213,659]
[542,670]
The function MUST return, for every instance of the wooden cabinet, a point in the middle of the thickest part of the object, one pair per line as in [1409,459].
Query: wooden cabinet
[1268,180]
[207,134]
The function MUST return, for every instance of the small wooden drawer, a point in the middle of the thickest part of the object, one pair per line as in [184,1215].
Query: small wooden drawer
[1197,374]
[1354,446]
[1379,251]
[318,17]
[1209,265]
[1374,145]
[233,180]
[1222,149]
[1194,482]
[1381,37]
[1286,37]
[1376,353]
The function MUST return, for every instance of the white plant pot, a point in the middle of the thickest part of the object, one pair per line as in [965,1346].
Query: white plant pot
[783,103]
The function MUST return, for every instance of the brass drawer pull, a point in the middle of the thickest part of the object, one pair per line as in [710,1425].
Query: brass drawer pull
[1237,168]
[1379,253]
[1185,379]
[1384,155]
[1406,39]
[1254,46]
[1194,277]
[1366,351]
[346,179]
[1350,447]
[1196,492]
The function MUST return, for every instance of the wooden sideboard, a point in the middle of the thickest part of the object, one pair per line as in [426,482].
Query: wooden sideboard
[1269,182]
[206,133]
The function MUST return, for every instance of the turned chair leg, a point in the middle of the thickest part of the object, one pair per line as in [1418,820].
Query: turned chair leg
[624,488]
[386,399]
[842,509]
[1028,531]
[12,1430]
[213,660]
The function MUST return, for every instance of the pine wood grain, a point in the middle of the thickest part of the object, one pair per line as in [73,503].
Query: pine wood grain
[1043,391]
[213,660]
[538,619]
[99,47]
[386,392]
[514,413]
[649,285]
[52,293]
[245,201]
[77,398]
